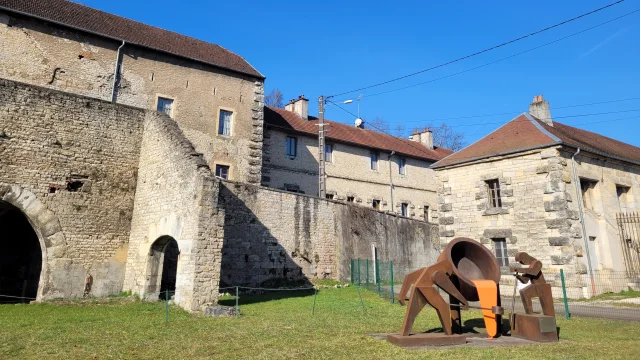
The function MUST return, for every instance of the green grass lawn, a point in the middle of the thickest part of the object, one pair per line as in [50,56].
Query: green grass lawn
[269,328]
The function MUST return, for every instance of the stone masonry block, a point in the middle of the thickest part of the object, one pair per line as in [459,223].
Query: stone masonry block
[547,153]
[446,207]
[558,224]
[559,241]
[446,220]
[555,205]
[561,259]
[447,233]
[497,233]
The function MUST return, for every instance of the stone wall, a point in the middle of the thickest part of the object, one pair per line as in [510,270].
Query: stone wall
[70,164]
[176,197]
[56,57]
[350,174]
[272,236]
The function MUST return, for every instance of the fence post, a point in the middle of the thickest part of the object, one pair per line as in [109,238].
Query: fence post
[166,306]
[237,302]
[377,269]
[367,272]
[358,271]
[352,269]
[393,295]
[564,295]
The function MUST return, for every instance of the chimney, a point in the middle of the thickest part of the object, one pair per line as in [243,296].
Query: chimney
[299,106]
[540,109]
[425,137]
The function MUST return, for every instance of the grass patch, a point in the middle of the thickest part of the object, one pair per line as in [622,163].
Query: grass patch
[624,294]
[273,326]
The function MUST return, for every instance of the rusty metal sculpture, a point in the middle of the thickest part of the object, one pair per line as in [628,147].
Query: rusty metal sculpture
[465,270]
[532,326]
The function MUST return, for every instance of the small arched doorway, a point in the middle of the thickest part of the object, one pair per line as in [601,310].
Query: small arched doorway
[20,256]
[163,268]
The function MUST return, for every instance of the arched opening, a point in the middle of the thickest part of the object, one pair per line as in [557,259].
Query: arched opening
[163,268]
[20,256]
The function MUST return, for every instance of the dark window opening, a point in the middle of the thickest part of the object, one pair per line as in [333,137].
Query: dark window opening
[500,246]
[222,172]
[404,209]
[402,164]
[426,213]
[493,193]
[74,186]
[329,196]
[376,204]
[292,147]
[374,160]
[350,199]
[328,153]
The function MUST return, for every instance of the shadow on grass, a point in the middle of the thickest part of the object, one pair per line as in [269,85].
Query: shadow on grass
[266,295]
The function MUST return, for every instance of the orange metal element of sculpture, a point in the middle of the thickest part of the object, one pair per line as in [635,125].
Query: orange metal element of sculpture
[467,271]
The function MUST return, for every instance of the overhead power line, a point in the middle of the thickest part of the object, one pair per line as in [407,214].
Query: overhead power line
[480,52]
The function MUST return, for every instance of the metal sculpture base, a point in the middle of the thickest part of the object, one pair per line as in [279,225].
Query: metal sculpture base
[426,339]
[534,327]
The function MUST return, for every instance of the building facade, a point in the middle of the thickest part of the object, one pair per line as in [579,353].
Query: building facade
[549,189]
[363,167]
[215,95]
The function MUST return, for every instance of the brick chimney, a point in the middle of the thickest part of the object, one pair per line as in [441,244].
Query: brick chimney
[540,109]
[425,137]
[299,106]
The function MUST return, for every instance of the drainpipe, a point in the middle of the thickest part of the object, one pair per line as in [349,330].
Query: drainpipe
[115,74]
[584,231]
[391,179]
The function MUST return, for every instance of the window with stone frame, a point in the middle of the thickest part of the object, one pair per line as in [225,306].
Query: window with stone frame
[622,192]
[500,246]
[224,122]
[588,192]
[427,218]
[404,209]
[375,204]
[493,193]
[292,146]
[222,171]
[165,105]
[402,166]
[373,155]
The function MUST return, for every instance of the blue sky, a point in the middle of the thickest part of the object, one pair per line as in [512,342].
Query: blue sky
[315,48]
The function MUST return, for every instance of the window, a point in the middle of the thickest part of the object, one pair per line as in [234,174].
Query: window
[493,195]
[165,106]
[501,251]
[588,188]
[292,188]
[374,160]
[292,147]
[351,199]
[328,152]
[426,213]
[402,166]
[329,196]
[622,192]
[222,171]
[376,204]
[224,124]
[404,209]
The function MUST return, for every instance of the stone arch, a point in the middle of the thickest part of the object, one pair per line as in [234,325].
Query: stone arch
[45,224]
[162,268]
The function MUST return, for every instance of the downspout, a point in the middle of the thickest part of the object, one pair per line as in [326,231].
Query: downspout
[391,179]
[116,73]
[584,231]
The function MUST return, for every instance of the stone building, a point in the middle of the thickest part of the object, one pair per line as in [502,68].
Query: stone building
[363,167]
[549,189]
[215,95]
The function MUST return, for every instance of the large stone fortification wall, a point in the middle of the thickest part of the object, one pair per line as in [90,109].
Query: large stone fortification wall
[70,164]
[176,197]
[272,235]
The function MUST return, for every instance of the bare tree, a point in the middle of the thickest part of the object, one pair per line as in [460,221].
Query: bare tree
[444,136]
[274,98]
[380,125]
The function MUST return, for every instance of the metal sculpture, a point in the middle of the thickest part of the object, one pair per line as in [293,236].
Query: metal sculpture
[467,271]
[532,326]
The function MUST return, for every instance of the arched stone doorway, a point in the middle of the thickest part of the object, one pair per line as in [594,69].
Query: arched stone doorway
[162,268]
[20,256]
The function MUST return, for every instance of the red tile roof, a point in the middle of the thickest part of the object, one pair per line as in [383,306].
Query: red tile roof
[526,132]
[94,21]
[291,122]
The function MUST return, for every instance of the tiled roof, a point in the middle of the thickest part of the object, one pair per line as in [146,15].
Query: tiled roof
[526,132]
[87,19]
[291,122]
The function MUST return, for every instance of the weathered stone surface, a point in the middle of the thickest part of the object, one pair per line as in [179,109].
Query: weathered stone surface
[555,205]
[447,233]
[547,153]
[446,220]
[558,224]
[559,241]
[446,207]
[496,211]
[561,259]
[219,311]
[498,233]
